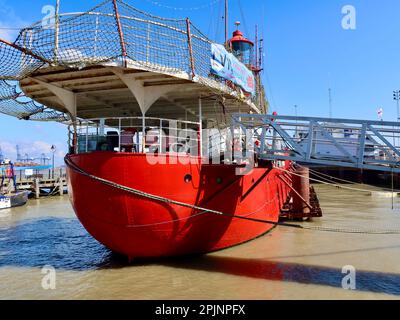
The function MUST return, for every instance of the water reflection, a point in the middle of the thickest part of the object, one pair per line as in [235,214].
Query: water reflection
[60,242]
[64,244]
[284,264]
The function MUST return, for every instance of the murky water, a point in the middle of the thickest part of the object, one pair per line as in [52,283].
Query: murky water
[285,264]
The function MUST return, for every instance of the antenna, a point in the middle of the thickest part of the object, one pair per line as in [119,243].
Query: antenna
[330,102]
[237,24]
[261,54]
[226,22]
[261,41]
[256,49]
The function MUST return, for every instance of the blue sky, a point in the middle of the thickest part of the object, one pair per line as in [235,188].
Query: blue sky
[306,52]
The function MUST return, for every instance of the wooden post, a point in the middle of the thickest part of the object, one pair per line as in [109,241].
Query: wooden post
[121,34]
[61,187]
[189,35]
[37,188]
[24,50]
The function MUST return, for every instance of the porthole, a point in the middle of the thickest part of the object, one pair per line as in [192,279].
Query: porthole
[188,178]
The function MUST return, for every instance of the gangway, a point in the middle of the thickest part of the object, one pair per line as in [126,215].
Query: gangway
[350,143]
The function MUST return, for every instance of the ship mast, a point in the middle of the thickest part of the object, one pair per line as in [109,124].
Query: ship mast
[56,29]
[226,22]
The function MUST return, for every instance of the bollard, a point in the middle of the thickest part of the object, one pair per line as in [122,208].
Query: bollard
[301,183]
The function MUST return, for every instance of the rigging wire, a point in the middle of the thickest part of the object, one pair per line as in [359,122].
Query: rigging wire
[317,173]
[194,8]
[211,18]
[332,178]
[219,20]
[70,164]
[331,184]
[269,89]
[7,28]
[243,18]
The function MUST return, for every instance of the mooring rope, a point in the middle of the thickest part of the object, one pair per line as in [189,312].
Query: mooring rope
[331,184]
[330,178]
[327,177]
[143,194]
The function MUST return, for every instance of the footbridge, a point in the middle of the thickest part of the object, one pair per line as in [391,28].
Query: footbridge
[351,143]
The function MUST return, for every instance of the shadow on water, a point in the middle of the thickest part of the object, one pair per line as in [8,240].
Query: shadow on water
[377,282]
[64,244]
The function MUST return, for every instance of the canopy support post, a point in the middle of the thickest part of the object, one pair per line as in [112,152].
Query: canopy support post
[200,129]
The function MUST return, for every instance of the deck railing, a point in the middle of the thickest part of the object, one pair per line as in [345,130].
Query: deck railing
[136,135]
[151,136]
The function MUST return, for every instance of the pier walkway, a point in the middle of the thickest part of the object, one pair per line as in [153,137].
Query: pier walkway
[362,144]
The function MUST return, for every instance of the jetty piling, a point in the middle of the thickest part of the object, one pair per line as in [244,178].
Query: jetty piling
[42,183]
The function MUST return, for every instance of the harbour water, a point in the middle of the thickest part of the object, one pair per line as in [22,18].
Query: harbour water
[285,264]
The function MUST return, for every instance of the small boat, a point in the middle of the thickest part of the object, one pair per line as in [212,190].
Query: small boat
[10,196]
[12,200]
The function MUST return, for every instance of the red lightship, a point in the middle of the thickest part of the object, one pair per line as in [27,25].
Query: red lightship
[155,164]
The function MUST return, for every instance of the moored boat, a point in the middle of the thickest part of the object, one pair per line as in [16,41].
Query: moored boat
[17,199]
[10,197]
[156,165]
[139,226]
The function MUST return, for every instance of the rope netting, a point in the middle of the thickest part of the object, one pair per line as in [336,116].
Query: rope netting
[113,33]
[13,103]
[7,91]
[15,64]
[75,40]
[155,43]
[29,110]
[80,40]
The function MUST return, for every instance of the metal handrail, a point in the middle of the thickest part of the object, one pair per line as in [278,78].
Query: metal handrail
[149,133]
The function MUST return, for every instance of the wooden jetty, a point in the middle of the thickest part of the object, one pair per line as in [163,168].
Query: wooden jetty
[43,186]
[40,185]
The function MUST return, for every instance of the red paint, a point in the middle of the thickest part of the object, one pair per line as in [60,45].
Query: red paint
[239,37]
[140,227]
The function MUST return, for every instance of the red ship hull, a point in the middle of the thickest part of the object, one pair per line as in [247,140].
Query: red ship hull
[140,227]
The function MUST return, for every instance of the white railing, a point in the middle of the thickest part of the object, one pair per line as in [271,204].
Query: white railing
[136,135]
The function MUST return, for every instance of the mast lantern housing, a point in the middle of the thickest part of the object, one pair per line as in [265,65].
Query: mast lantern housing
[242,48]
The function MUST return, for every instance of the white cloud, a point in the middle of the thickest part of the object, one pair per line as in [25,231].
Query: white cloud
[8,149]
[34,149]
[10,22]
[6,34]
